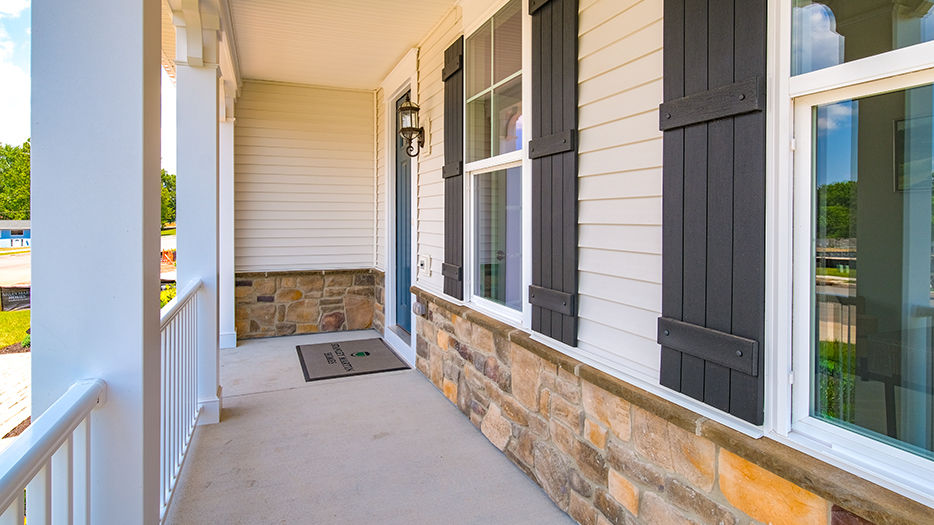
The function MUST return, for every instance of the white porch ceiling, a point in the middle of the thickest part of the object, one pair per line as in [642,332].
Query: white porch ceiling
[342,43]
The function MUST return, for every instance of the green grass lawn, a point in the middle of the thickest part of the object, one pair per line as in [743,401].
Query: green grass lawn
[13,326]
[834,272]
[170,231]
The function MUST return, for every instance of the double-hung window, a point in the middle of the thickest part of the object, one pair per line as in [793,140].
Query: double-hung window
[494,149]
[862,93]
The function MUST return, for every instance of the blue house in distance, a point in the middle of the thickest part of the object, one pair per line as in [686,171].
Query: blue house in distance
[14,234]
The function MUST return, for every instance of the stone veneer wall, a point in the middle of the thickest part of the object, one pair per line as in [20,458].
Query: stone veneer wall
[286,303]
[607,452]
[379,312]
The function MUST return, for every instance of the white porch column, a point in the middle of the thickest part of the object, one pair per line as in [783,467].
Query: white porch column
[95,217]
[196,213]
[228,330]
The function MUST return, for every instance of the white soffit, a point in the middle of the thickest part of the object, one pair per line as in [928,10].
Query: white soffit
[341,43]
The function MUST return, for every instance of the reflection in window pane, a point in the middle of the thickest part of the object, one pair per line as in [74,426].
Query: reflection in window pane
[507,41]
[478,57]
[507,101]
[498,237]
[874,312]
[479,113]
[828,33]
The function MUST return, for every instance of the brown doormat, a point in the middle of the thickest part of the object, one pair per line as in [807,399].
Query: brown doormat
[347,358]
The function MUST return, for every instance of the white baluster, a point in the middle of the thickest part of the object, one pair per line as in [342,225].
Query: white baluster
[63,483]
[15,513]
[38,498]
[82,472]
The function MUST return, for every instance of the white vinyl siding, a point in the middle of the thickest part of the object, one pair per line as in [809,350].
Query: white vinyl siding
[381,172]
[430,205]
[304,182]
[620,182]
[620,178]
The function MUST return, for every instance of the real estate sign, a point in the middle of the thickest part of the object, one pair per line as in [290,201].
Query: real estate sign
[14,298]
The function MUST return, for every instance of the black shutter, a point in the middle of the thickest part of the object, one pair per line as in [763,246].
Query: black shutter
[553,150]
[713,285]
[453,170]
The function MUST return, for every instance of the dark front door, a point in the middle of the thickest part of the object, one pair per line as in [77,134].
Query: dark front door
[403,260]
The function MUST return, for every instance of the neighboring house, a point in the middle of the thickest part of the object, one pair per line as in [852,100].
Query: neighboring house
[15,234]
[615,233]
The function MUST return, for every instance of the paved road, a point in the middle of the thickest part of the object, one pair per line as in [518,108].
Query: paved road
[16,270]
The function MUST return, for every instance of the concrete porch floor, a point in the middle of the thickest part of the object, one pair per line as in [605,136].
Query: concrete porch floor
[381,448]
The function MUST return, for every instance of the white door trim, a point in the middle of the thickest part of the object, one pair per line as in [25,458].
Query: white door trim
[403,77]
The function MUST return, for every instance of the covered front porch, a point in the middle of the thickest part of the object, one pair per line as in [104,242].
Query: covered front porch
[514,261]
[384,448]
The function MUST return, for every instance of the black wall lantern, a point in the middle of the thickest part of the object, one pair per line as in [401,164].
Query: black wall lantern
[409,128]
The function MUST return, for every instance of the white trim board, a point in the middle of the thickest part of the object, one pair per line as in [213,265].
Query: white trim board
[402,78]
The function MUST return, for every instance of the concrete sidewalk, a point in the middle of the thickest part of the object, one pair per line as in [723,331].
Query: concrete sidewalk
[382,448]
[15,374]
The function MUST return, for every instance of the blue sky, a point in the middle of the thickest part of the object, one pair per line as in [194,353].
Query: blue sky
[15,39]
[14,70]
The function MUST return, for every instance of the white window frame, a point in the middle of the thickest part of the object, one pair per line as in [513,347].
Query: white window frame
[789,240]
[519,158]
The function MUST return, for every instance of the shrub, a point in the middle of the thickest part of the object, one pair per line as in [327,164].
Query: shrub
[167,295]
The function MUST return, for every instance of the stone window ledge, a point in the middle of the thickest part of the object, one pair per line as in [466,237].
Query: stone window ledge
[851,492]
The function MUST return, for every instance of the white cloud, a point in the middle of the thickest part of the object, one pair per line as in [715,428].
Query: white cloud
[14,92]
[13,8]
[816,43]
[834,116]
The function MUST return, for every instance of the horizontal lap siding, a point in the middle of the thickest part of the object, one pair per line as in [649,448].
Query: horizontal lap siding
[620,182]
[304,185]
[430,205]
[381,250]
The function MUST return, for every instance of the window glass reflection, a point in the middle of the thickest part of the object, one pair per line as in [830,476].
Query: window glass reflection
[874,232]
[479,57]
[832,32]
[507,100]
[494,85]
[498,268]
[479,132]
[507,41]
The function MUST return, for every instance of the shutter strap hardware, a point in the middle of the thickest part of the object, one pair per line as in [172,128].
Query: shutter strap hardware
[451,67]
[725,101]
[732,351]
[553,144]
[554,300]
[452,271]
[452,169]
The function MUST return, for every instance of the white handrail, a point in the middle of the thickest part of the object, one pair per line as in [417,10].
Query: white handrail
[34,448]
[180,330]
[169,310]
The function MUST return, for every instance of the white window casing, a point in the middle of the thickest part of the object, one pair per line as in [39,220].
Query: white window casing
[789,240]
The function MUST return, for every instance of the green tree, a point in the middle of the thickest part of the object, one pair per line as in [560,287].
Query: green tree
[14,181]
[836,209]
[168,197]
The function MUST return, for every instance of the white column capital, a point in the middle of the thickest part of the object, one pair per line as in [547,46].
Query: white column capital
[197,24]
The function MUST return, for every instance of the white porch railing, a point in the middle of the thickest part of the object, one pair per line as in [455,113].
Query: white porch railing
[49,464]
[179,327]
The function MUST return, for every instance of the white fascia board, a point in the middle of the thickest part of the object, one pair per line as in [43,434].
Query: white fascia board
[403,73]
[229,41]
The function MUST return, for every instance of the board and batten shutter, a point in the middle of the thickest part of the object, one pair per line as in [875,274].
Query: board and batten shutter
[713,211]
[453,170]
[553,150]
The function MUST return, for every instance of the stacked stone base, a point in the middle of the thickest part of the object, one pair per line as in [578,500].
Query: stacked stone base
[609,453]
[286,303]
